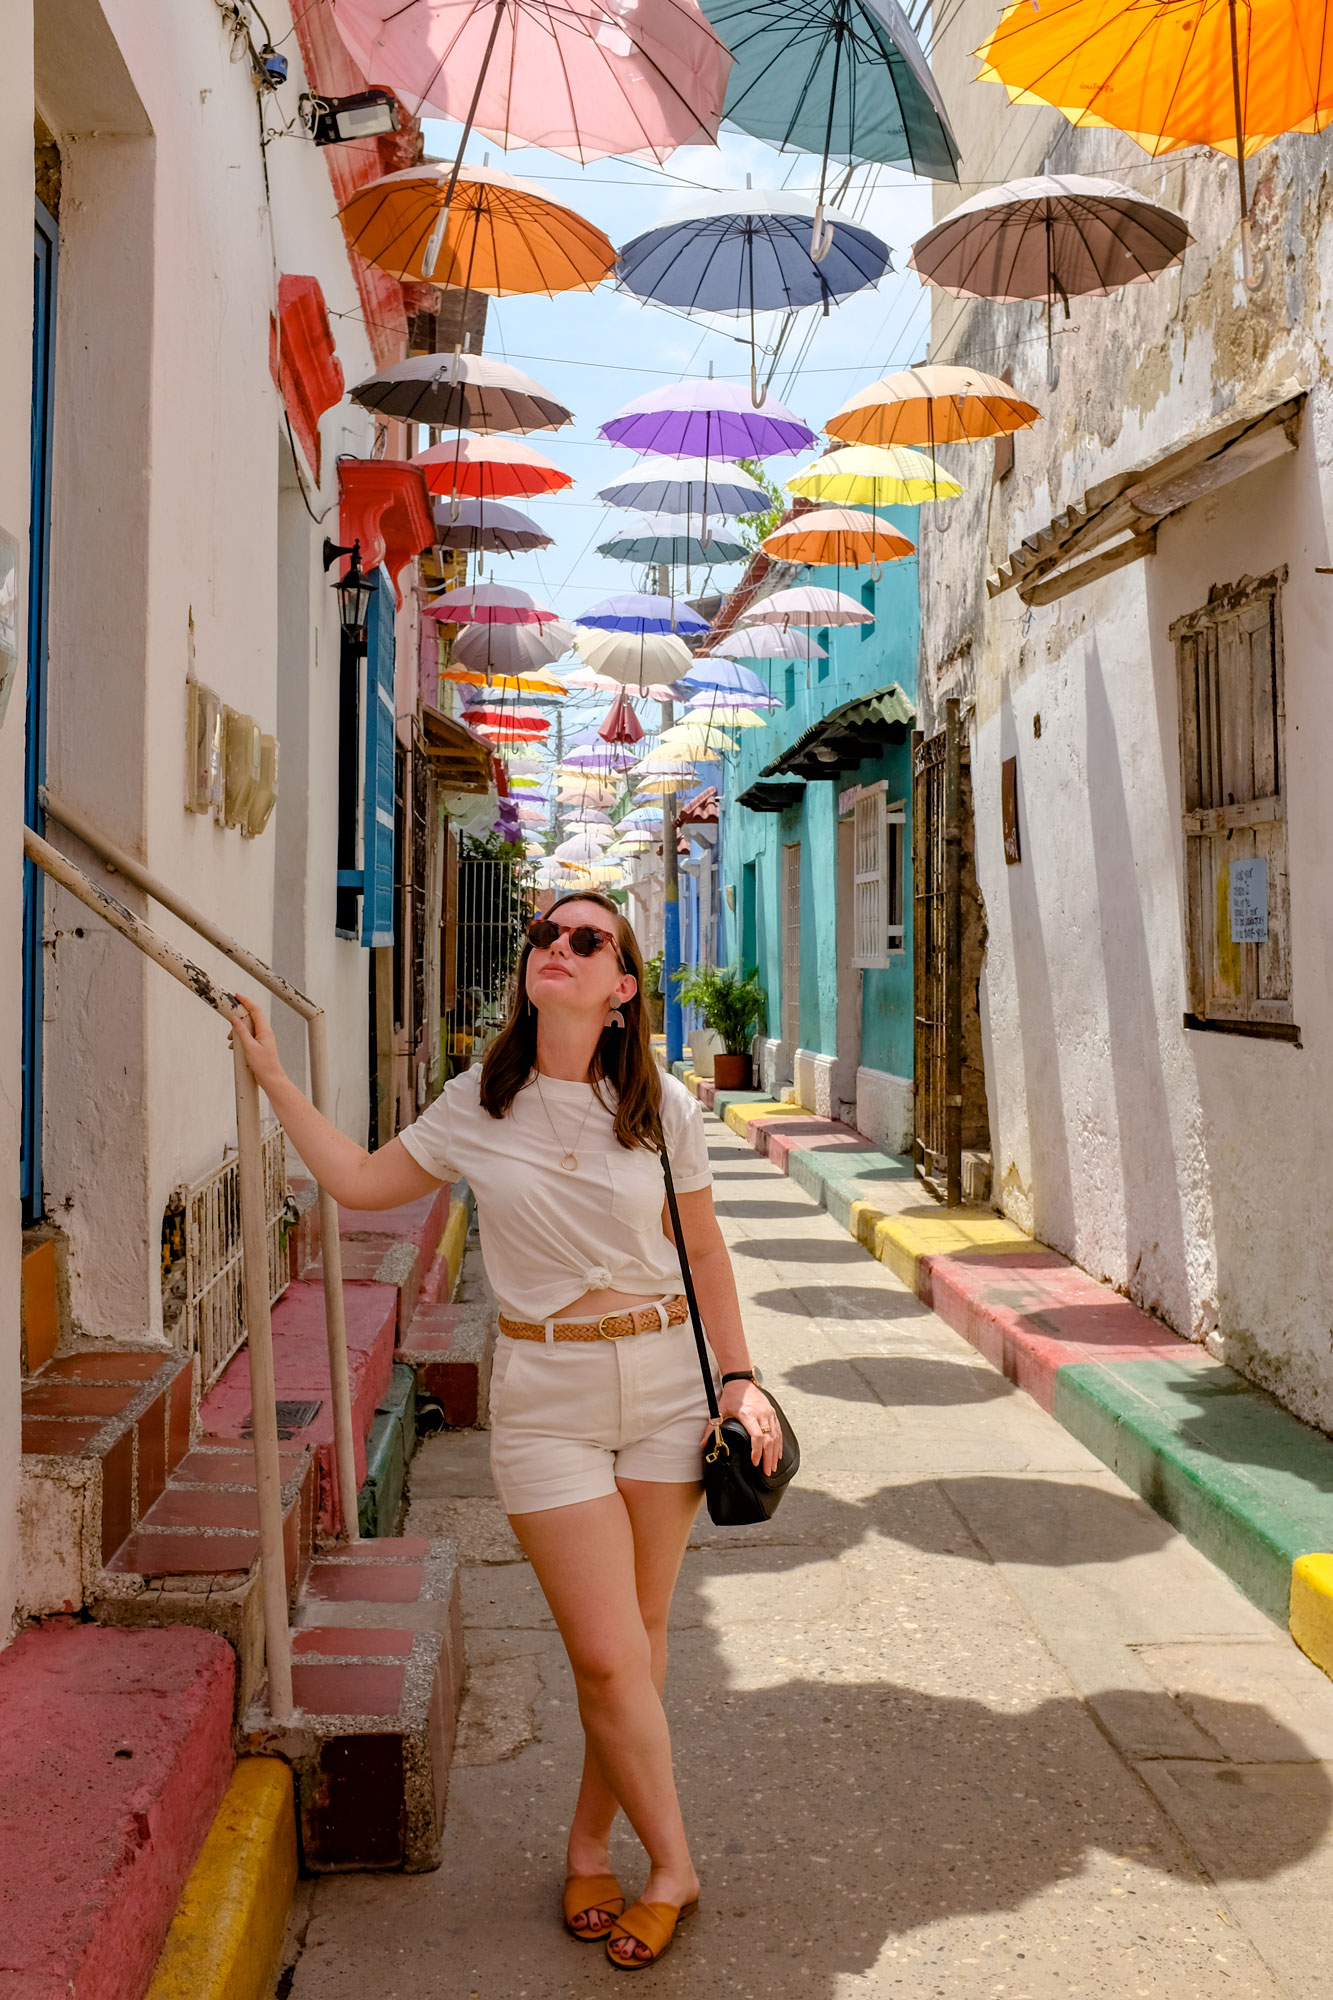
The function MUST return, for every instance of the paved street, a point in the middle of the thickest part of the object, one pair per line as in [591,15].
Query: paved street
[968,1719]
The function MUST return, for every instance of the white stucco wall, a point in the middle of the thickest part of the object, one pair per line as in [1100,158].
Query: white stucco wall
[1185,1168]
[166,560]
[16,178]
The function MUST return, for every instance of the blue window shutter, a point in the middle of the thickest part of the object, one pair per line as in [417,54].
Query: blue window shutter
[377,809]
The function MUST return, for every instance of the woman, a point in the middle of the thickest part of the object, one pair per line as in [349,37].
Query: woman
[598,1413]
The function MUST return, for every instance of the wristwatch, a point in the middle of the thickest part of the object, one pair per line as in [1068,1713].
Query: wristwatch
[740,1375]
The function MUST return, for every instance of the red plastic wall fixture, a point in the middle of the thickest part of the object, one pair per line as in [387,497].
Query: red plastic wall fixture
[385,507]
[303,361]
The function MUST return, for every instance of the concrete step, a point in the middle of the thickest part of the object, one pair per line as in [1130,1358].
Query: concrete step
[377,1678]
[102,1431]
[301,1368]
[193,1559]
[115,1753]
[451,1340]
[392,1246]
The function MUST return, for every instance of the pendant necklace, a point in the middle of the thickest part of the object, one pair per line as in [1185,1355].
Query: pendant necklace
[569,1160]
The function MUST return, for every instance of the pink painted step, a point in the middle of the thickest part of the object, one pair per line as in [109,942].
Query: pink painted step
[301,1365]
[391,1246]
[1030,1312]
[115,1751]
[811,1135]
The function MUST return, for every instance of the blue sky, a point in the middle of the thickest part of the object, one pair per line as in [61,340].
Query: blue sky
[597,350]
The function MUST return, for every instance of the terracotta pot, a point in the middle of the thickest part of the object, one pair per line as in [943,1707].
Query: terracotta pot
[731,1072]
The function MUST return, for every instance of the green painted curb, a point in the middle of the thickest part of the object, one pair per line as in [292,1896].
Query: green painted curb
[1247,1483]
[837,1178]
[389,1448]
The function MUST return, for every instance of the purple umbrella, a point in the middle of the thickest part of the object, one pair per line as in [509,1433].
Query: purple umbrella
[706,419]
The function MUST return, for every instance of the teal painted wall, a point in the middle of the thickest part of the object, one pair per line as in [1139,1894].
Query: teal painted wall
[862,660]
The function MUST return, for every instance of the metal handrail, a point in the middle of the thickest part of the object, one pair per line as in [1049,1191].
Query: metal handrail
[259,1325]
[121,862]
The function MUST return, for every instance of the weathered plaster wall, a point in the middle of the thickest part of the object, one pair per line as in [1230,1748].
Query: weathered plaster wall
[16,178]
[166,562]
[1184,1167]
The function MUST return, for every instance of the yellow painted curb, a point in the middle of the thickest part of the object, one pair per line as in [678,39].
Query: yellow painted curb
[691,1081]
[1311,1614]
[863,1220]
[740,1117]
[454,1242]
[226,1937]
[901,1241]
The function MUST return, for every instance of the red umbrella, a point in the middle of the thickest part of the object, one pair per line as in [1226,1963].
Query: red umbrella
[620,724]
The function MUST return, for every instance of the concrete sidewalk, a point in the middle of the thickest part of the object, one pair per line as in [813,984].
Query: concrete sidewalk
[967,1719]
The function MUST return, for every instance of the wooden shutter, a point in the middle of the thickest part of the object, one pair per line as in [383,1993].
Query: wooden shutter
[1229,657]
[377,811]
[870,929]
[791,943]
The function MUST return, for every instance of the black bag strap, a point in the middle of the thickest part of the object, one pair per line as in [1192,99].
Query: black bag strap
[687,1275]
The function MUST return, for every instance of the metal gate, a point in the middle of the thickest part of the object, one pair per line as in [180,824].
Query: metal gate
[215,1256]
[937,1096]
[493,901]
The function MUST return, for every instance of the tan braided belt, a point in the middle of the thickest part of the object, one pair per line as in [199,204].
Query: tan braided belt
[611,1326]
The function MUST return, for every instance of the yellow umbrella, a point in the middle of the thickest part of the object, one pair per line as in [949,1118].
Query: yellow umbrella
[682,740]
[1195,72]
[497,235]
[732,718]
[867,475]
[931,406]
[838,535]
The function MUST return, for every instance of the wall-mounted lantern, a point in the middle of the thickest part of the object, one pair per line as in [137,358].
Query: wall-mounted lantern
[354,592]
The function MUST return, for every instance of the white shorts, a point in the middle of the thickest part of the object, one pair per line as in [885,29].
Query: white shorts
[570,1416]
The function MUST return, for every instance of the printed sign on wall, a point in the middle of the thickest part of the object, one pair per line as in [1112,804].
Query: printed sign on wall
[1247,901]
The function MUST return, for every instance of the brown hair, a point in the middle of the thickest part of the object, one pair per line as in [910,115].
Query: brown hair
[623,1058]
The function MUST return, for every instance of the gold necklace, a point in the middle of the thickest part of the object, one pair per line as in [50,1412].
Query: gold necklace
[569,1161]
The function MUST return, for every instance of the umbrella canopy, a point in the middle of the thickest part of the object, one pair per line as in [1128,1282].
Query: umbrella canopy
[838,535]
[738,253]
[505,684]
[634,658]
[503,729]
[717,676]
[635,612]
[461,392]
[673,539]
[492,234]
[868,475]
[510,649]
[930,406]
[489,467]
[762,642]
[584,847]
[812,604]
[488,604]
[573,77]
[1068,234]
[660,784]
[693,740]
[688,486]
[486,709]
[842,78]
[706,419]
[713,708]
[620,724]
[486,526]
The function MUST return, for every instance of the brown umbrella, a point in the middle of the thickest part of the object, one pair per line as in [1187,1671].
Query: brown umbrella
[1051,236]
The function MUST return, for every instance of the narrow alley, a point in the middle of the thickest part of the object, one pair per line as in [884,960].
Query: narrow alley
[966,1719]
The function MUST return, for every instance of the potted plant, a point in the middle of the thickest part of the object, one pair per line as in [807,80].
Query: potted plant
[733,1007]
[652,992]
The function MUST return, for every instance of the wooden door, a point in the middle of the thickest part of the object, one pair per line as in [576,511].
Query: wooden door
[937,956]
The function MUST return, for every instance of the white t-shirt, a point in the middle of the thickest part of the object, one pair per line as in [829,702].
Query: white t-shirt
[549,1235]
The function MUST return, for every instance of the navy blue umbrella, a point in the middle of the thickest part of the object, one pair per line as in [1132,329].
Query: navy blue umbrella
[738,253]
[635,611]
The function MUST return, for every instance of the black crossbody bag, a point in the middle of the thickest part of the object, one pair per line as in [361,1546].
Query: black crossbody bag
[738,1493]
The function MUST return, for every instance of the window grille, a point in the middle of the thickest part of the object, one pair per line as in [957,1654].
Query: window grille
[215,1261]
[493,902]
[1232,753]
[878,841]
[791,944]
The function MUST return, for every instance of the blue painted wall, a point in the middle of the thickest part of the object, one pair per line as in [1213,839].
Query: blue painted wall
[862,660]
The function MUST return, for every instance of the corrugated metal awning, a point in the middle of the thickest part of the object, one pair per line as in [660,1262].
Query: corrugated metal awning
[764,796]
[1127,509]
[846,735]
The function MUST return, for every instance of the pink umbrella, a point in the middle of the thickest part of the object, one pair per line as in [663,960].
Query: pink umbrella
[620,724]
[585,78]
[488,604]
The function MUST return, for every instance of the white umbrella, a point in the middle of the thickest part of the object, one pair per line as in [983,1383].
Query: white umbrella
[766,643]
[697,486]
[636,659]
[511,649]
[812,604]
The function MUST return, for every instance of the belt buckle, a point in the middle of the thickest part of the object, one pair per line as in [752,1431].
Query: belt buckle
[602,1333]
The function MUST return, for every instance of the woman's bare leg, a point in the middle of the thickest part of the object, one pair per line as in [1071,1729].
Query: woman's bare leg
[588,1559]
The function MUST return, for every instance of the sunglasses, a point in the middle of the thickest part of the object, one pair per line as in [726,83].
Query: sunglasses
[583,939]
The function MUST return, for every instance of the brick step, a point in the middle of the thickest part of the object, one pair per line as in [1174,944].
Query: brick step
[301,1368]
[377,1677]
[450,1341]
[102,1431]
[392,1246]
[115,1754]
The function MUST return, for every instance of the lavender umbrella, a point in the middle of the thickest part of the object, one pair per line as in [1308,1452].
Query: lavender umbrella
[706,419]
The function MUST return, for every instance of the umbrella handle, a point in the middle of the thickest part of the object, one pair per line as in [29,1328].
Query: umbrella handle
[758,396]
[1253,282]
[821,236]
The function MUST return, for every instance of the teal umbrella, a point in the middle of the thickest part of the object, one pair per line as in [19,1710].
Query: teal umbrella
[842,78]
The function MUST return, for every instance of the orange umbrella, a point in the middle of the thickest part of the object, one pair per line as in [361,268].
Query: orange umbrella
[506,683]
[838,535]
[497,235]
[1196,72]
[930,406]
[492,467]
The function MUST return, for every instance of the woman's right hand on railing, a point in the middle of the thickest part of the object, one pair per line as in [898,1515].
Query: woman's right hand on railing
[259,1042]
